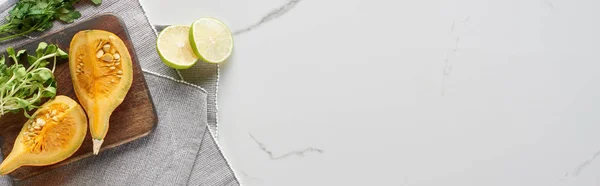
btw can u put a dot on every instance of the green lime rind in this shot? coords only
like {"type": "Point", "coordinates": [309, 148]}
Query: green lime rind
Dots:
{"type": "Point", "coordinates": [171, 63]}
{"type": "Point", "coordinates": [195, 45]}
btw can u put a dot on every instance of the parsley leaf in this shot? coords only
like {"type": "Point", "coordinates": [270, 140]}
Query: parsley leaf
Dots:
{"type": "Point", "coordinates": [38, 15]}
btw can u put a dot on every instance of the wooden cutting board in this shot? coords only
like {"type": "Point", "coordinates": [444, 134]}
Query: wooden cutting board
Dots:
{"type": "Point", "coordinates": [133, 119]}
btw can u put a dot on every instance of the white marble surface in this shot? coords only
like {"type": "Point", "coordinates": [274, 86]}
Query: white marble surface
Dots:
{"type": "Point", "coordinates": [436, 92]}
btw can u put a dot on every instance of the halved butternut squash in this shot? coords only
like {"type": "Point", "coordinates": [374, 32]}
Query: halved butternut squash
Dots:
{"type": "Point", "coordinates": [101, 70]}
{"type": "Point", "coordinates": [54, 133]}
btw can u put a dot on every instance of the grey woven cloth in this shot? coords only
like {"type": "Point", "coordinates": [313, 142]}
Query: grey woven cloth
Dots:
{"type": "Point", "coordinates": [181, 150]}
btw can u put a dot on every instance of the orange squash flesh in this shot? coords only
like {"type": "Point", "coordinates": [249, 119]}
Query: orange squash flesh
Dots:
{"type": "Point", "coordinates": [101, 71]}
{"type": "Point", "coordinates": [53, 134]}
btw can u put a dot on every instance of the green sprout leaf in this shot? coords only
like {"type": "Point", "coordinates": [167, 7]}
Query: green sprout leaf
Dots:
{"type": "Point", "coordinates": [19, 72]}
{"type": "Point", "coordinates": [10, 51]}
{"type": "Point", "coordinates": [20, 52]}
{"type": "Point", "coordinates": [24, 88]}
{"type": "Point", "coordinates": [97, 2]}
{"type": "Point", "coordinates": [22, 102]}
{"type": "Point", "coordinates": [40, 49]}
{"type": "Point", "coordinates": [43, 75]}
{"type": "Point", "coordinates": [31, 59]}
{"type": "Point", "coordinates": [62, 54]}
{"type": "Point", "coordinates": [49, 92]}
{"type": "Point", "coordinates": [51, 49]}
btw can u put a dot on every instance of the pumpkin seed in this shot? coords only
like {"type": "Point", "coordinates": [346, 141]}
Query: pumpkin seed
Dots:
{"type": "Point", "coordinates": [100, 44]}
{"type": "Point", "coordinates": [117, 56]}
{"type": "Point", "coordinates": [99, 53]}
{"type": "Point", "coordinates": [39, 121]}
{"type": "Point", "coordinates": [107, 57]}
{"type": "Point", "coordinates": [106, 48]}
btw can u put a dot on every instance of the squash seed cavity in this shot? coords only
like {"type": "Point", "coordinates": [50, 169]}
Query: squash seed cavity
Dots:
{"type": "Point", "coordinates": [108, 67]}
{"type": "Point", "coordinates": [49, 129]}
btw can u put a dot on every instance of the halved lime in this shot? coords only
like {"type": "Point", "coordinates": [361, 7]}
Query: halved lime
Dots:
{"type": "Point", "coordinates": [211, 40]}
{"type": "Point", "coordinates": [174, 49]}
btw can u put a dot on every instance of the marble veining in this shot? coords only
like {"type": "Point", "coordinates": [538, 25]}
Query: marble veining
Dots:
{"type": "Point", "coordinates": [250, 177]}
{"type": "Point", "coordinates": [300, 153]}
{"type": "Point", "coordinates": [447, 65]}
{"type": "Point", "coordinates": [270, 16]}
{"type": "Point", "coordinates": [585, 163]}
{"type": "Point", "coordinates": [570, 175]}
{"type": "Point", "coordinates": [549, 3]}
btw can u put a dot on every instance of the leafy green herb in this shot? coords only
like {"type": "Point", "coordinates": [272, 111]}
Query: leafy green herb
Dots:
{"type": "Point", "coordinates": [37, 15]}
{"type": "Point", "coordinates": [23, 88]}
{"type": "Point", "coordinates": [97, 2]}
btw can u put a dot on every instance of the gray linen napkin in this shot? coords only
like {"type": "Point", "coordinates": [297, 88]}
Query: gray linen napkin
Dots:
{"type": "Point", "coordinates": [181, 150]}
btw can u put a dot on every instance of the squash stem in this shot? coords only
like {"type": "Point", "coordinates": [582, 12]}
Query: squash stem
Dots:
{"type": "Point", "coordinates": [97, 145]}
